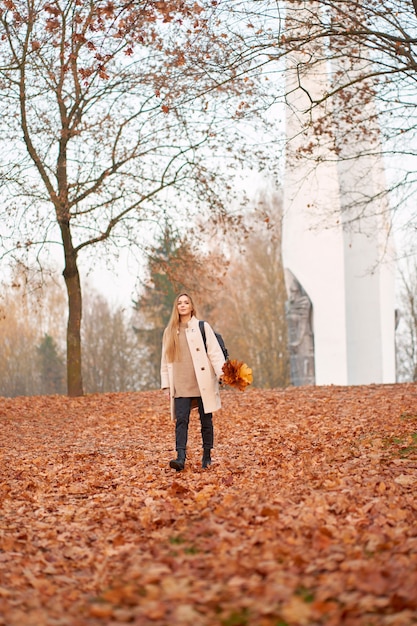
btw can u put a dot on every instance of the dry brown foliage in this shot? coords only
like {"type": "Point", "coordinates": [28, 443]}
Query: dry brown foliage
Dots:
{"type": "Point", "coordinates": [306, 517]}
{"type": "Point", "coordinates": [237, 374]}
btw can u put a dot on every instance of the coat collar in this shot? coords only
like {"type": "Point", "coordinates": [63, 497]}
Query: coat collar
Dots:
{"type": "Point", "coordinates": [193, 323]}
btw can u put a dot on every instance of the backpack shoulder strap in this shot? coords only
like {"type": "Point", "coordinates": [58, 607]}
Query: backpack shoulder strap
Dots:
{"type": "Point", "coordinates": [203, 332]}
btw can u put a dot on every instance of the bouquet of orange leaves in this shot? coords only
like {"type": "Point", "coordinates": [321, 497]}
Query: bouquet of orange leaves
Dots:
{"type": "Point", "coordinates": [237, 374]}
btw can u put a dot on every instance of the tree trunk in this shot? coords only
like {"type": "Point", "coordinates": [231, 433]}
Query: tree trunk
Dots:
{"type": "Point", "coordinates": [73, 284]}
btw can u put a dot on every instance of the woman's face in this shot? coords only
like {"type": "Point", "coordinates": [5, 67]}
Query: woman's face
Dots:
{"type": "Point", "coordinates": [184, 306]}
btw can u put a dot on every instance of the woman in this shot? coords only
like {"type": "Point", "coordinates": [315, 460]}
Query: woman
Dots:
{"type": "Point", "coordinates": [192, 376]}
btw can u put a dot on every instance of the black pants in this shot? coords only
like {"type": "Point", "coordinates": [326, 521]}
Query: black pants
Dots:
{"type": "Point", "coordinates": [182, 417]}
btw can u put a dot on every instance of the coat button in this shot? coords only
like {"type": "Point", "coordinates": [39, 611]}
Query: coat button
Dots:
{"type": "Point", "coordinates": [203, 368]}
{"type": "Point", "coordinates": [198, 349]}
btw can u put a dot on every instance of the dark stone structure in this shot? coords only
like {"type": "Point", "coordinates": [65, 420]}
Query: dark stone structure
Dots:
{"type": "Point", "coordinates": [299, 312]}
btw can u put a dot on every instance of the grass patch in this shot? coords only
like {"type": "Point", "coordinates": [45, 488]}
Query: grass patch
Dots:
{"type": "Point", "coordinates": [179, 540]}
{"type": "Point", "coordinates": [403, 446]}
{"type": "Point", "coordinates": [305, 594]}
{"type": "Point", "coordinates": [237, 618]}
{"type": "Point", "coordinates": [408, 416]}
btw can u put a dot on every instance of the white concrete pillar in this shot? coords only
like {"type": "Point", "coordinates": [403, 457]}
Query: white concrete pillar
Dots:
{"type": "Point", "coordinates": [336, 246]}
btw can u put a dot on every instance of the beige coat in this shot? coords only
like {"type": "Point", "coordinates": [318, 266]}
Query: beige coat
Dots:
{"type": "Point", "coordinates": [207, 366]}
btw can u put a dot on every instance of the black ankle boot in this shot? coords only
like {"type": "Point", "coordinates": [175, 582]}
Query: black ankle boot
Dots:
{"type": "Point", "coordinates": [178, 463]}
{"type": "Point", "coordinates": [206, 460]}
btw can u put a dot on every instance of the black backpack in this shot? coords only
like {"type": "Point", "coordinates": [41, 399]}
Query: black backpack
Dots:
{"type": "Point", "coordinates": [218, 337]}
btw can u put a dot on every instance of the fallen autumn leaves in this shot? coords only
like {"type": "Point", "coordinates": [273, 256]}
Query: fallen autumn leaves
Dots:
{"type": "Point", "coordinates": [307, 516]}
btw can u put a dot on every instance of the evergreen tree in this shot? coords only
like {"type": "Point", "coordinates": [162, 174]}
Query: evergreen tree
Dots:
{"type": "Point", "coordinates": [153, 308]}
{"type": "Point", "coordinates": [173, 266]}
{"type": "Point", "coordinates": [51, 367]}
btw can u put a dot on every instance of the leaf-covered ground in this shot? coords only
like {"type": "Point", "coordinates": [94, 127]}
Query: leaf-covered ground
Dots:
{"type": "Point", "coordinates": [308, 515]}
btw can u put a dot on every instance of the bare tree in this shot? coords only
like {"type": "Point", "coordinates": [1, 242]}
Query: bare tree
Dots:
{"type": "Point", "coordinates": [111, 112]}
{"type": "Point", "coordinates": [352, 68]}
{"type": "Point", "coordinates": [111, 352]}
{"type": "Point", "coordinates": [249, 308]}
{"type": "Point", "coordinates": [18, 337]}
{"type": "Point", "coordinates": [26, 317]}
{"type": "Point", "coordinates": [32, 340]}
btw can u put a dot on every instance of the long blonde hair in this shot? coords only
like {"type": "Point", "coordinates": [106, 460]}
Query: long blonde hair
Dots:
{"type": "Point", "coordinates": [171, 333]}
